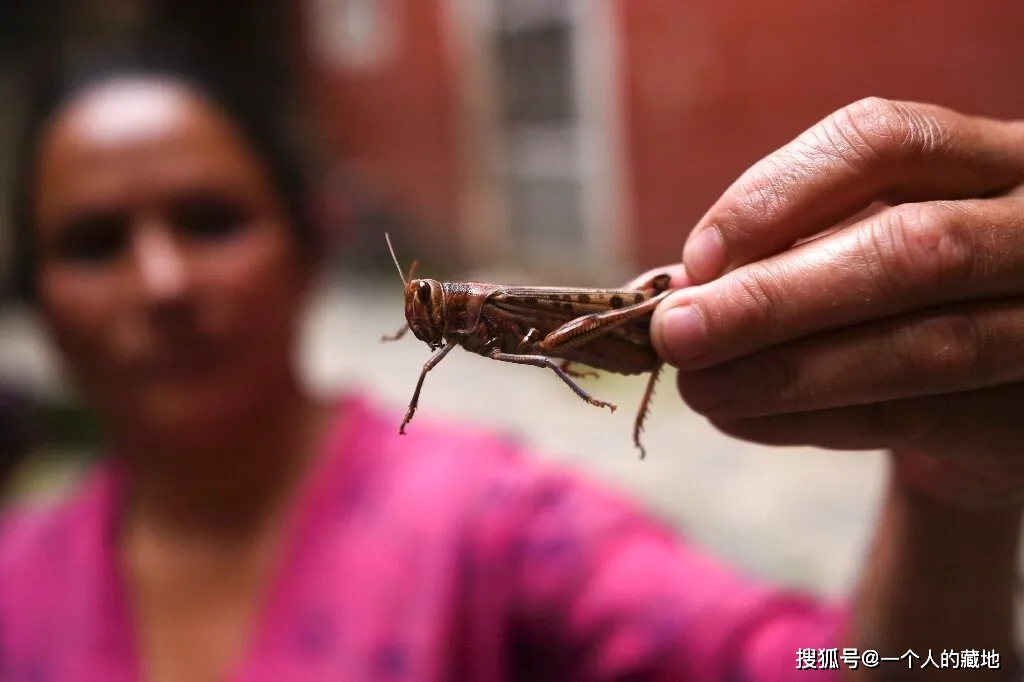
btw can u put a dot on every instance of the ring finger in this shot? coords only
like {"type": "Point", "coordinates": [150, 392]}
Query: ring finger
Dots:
{"type": "Point", "coordinates": [974, 425]}
{"type": "Point", "coordinates": [956, 348]}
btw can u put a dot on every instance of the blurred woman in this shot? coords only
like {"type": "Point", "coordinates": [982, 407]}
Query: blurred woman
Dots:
{"type": "Point", "coordinates": [239, 528]}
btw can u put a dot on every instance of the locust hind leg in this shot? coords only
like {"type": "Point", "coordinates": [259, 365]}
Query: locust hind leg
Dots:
{"type": "Point", "coordinates": [544, 361]}
{"type": "Point", "coordinates": [583, 329]}
{"type": "Point", "coordinates": [645, 404]}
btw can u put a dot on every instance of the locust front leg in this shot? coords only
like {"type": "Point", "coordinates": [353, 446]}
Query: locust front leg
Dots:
{"type": "Point", "coordinates": [437, 357]}
{"type": "Point", "coordinates": [543, 361]}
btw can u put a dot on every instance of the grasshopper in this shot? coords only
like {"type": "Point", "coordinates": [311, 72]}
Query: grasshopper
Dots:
{"type": "Point", "coordinates": [551, 327]}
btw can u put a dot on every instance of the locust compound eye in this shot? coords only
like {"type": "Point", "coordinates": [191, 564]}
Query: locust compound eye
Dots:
{"type": "Point", "coordinates": [423, 293]}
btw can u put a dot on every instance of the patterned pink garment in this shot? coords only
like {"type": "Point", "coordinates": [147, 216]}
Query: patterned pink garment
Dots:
{"type": "Point", "coordinates": [443, 555]}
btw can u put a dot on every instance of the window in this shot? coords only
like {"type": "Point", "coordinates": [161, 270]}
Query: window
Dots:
{"type": "Point", "coordinates": [535, 67]}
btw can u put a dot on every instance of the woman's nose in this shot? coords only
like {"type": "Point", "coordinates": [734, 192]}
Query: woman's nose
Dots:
{"type": "Point", "coordinates": [160, 263]}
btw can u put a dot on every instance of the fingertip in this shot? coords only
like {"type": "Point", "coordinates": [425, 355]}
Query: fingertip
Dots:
{"type": "Point", "coordinates": [681, 279]}
{"type": "Point", "coordinates": [677, 330]}
{"type": "Point", "coordinates": [704, 254]}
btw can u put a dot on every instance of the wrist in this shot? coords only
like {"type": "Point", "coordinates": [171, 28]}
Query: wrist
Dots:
{"type": "Point", "coordinates": [960, 538]}
{"type": "Point", "coordinates": [970, 486]}
{"type": "Point", "coordinates": [939, 576]}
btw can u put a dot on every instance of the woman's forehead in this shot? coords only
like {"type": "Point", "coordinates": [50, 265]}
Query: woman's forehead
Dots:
{"type": "Point", "coordinates": [127, 110]}
{"type": "Point", "coordinates": [138, 132]}
{"type": "Point", "coordinates": [127, 113]}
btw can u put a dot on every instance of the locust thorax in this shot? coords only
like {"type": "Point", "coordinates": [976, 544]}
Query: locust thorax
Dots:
{"type": "Point", "coordinates": [425, 311]}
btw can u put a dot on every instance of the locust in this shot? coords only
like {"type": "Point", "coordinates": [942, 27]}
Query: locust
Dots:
{"type": "Point", "coordinates": [549, 327]}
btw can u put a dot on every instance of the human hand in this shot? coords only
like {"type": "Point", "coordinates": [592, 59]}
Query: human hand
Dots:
{"type": "Point", "coordinates": [902, 329]}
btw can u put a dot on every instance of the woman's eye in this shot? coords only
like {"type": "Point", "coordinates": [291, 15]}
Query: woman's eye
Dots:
{"type": "Point", "coordinates": [93, 238]}
{"type": "Point", "coordinates": [208, 217]}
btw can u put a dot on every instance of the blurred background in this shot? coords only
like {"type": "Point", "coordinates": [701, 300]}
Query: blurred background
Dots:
{"type": "Point", "coordinates": [536, 141]}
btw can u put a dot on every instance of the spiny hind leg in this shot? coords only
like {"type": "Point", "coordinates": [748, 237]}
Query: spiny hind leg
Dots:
{"type": "Point", "coordinates": [583, 329]}
{"type": "Point", "coordinates": [645, 404]}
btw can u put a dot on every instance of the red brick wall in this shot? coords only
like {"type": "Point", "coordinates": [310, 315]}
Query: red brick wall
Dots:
{"type": "Point", "coordinates": [397, 123]}
{"type": "Point", "coordinates": [712, 85]}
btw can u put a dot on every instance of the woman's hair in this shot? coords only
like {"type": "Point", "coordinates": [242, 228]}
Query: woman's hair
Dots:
{"type": "Point", "coordinates": [234, 91]}
{"type": "Point", "coordinates": [18, 429]}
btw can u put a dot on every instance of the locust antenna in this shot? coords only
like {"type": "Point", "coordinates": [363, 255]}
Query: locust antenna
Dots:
{"type": "Point", "coordinates": [395, 258]}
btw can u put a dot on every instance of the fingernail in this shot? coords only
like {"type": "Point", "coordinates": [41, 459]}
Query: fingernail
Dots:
{"type": "Point", "coordinates": [704, 255]}
{"type": "Point", "coordinates": [683, 334]}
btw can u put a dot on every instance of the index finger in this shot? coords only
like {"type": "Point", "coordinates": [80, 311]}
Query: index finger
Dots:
{"type": "Point", "coordinates": [874, 150]}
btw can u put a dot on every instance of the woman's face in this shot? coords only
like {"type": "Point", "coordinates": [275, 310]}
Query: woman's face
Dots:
{"type": "Point", "coordinates": [167, 269]}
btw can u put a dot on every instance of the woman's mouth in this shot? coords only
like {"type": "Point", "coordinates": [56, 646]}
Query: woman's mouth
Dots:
{"type": "Point", "coordinates": [182, 363]}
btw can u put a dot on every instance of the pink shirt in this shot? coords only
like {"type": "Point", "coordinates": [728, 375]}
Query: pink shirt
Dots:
{"type": "Point", "coordinates": [443, 555]}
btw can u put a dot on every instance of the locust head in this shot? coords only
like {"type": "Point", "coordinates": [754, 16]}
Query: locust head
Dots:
{"type": "Point", "coordinates": [424, 304]}
{"type": "Point", "coordinates": [424, 309]}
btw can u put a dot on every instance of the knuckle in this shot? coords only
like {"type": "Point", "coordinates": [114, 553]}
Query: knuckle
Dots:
{"type": "Point", "coordinates": [918, 246]}
{"type": "Point", "coordinates": [765, 383]}
{"type": "Point", "coordinates": [910, 423]}
{"type": "Point", "coordinates": [780, 379]}
{"type": "Point", "coordinates": [761, 192]}
{"type": "Point", "coordinates": [950, 348]}
{"type": "Point", "coordinates": [755, 293]}
{"type": "Point", "coordinates": [878, 127]}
